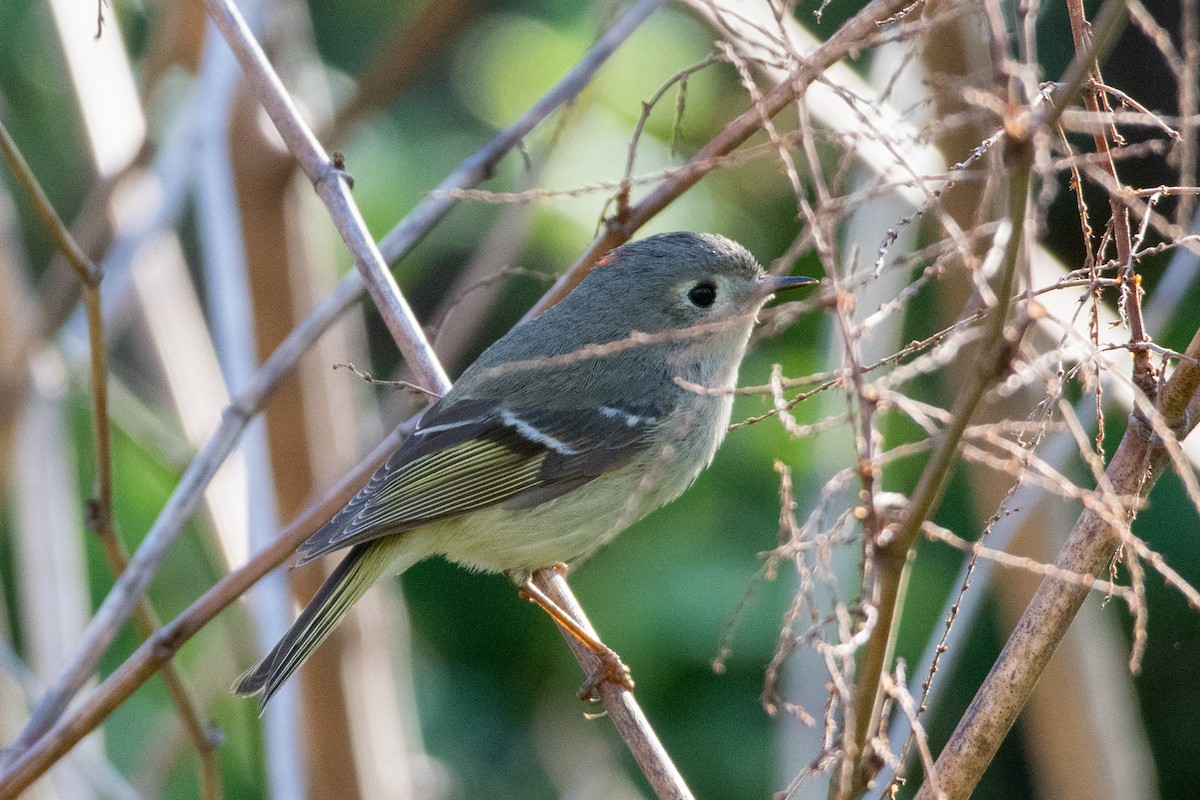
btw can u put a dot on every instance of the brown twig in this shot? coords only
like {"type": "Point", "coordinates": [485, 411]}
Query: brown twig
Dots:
{"type": "Point", "coordinates": [681, 77]}
{"type": "Point", "coordinates": [897, 688]}
{"type": "Point", "coordinates": [404, 236]}
{"type": "Point", "coordinates": [619, 702]}
{"type": "Point", "coordinates": [976, 549]}
{"type": "Point", "coordinates": [993, 360]}
{"type": "Point", "coordinates": [891, 553]}
{"type": "Point", "coordinates": [1093, 96]}
{"type": "Point", "coordinates": [100, 509]}
{"type": "Point", "coordinates": [1089, 549]}
{"type": "Point", "coordinates": [131, 585]}
{"type": "Point", "coordinates": [844, 41]}
{"type": "Point", "coordinates": [166, 641]}
{"type": "Point", "coordinates": [870, 476]}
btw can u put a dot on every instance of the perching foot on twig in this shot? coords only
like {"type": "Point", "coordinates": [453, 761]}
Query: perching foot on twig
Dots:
{"type": "Point", "coordinates": [609, 667]}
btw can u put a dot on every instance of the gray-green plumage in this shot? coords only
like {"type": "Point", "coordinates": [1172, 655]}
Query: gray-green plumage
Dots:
{"type": "Point", "coordinates": [561, 434]}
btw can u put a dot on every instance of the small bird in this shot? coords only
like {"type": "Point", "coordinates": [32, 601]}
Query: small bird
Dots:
{"type": "Point", "coordinates": [563, 433]}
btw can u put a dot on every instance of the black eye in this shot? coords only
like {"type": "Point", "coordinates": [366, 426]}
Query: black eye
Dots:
{"type": "Point", "coordinates": [703, 294]}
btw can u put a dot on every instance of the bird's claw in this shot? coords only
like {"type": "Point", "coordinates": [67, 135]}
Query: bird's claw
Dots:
{"type": "Point", "coordinates": [609, 668]}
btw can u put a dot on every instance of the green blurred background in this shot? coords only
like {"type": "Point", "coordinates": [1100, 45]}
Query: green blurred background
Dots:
{"type": "Point", "coordinates": [494, 685]}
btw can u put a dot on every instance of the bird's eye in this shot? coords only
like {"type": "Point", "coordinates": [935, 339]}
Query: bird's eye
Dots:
{"type": "Point", "coordinates": [703, 294]}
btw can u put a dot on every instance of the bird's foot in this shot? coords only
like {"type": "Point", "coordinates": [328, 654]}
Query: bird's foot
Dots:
{"type": "Point", "coordinates": [609, 669]}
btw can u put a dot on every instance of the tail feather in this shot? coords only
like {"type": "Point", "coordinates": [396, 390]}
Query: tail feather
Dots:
{"type": "Point", "coordinates": [345, 585]}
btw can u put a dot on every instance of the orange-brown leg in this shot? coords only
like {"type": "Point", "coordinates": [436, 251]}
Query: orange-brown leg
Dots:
{"type": "Point", "coordinates": [609, 666]}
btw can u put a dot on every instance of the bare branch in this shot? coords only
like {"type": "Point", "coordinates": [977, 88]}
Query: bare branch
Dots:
{"type": "Point", "coordinates": [183, 501]}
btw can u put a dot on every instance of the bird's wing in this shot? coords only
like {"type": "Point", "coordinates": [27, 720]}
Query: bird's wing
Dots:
{"type": "Point", "coordinates": [478, 453]}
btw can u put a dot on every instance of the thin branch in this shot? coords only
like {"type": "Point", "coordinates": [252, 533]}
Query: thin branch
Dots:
{"type": "Point", "coordinates": [132, 584]}
{"type": "Point", "coordinates": [897, 689]}
{"type": "Point", "coordinates": [997, 353]}
{"type": "Point", "coordinates": [994, 359]}
{"type": "Point", "coordinates": [1093, 96]}
{"type": "Point", "coordinates": [66, 732]}
{"type": "Point", "coordinates": [120, 601]}
{"type": "Point", "coordinates": [100, 510]}
{"type": "Point", "coordinates": [680, 78]}
{"type": "Point", "coordinates": [334, 191]}
{"type": "Point", "coordinates": [626, 715]}
{"type": "Point", "coordinates": [1094, 539]}
{"type": "Point", "coordinates": [976, 550]}
{"type": "Point", "coordinates": [88, 272]}
{"type": "Point", "coordinates": [842, 43]}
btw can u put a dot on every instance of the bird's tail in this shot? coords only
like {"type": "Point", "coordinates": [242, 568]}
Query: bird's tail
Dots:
{"type": "Point", "coordinates": [359, 569]}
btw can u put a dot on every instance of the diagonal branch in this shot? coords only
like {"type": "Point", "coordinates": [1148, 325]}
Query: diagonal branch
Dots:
{"type": "Point", "coordinates": [845, 41]}
{"type": "Point", "coordinates": [1011, 240]}
{"type": "Point", "coordinates": [100, 509]}
{"type": "Point", "coordinates": [66, 732]}
{"type": "Point", "coordinates": [1090, 547]}
{"type": "Point", "coordinates": [124, 595]}
{"type": "Point", "coordinates": [403, 237]}
{"type": "Point", "coordinates": [334, 191]}
{"type": "Point", "coordinates": [1093, 96]}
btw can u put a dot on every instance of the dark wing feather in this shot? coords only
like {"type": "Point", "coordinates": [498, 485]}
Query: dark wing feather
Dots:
{"type": "Point", "coordinates": [476, 454]}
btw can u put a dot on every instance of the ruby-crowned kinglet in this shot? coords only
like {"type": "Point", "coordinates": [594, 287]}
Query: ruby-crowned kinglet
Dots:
{"type": "Point", "coordinates": [564, 432]}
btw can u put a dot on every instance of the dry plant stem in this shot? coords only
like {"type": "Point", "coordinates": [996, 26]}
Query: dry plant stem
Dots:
{"type": "Point", "coordinates": [1089, 549]}
{"type": "Point", "coordinates": [99, 517]}
{"type": "Point", "coordinates": [1189, 104]}
{"type": "Point", "coordinates": [870, 476]}
{"type": "Point", "coordinates": [479, 167]}
{"type": "Point", "coordinates": [57, 230]}
{"type": "Point", "coordinates": [334, 192]}
{"type": "Point", "coordinates": [628, 718]}
{"type": "Point", "coordinates": [166, 641]}
{"type": "Point", "coordinates": [203, 735]}
{"type": "Point", "coordinates": [843, 42]}
{"type": "Point", "coordinates": [131, 585]}
{"type": "Point", "coordinates": [680, 78]}
{"type": "Point", "coordinates": [1143, 370]}
{"type": "Point", "coordinates": [891, 554]}
{"type": "Point", "coordinates": [402, 324]}
{"type": "Point", "coordinates": [119, 603]}
{"type": "Point", "coordinates": [1021, 128]}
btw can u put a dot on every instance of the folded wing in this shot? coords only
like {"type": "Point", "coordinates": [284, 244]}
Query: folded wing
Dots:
{"type": "Point", "coordinates": [475, 454]}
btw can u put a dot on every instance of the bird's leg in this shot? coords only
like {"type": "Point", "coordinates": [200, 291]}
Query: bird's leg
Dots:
{"type": "Point", "coordinates": [609, 666]}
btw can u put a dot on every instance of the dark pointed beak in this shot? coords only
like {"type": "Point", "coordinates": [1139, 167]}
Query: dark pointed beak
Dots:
{"type": "Point", "coordinates": [780, 283]}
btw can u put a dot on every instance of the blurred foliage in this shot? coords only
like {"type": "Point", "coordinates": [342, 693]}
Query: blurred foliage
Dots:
{"type": "Point", "coordinates": [488, 665]}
